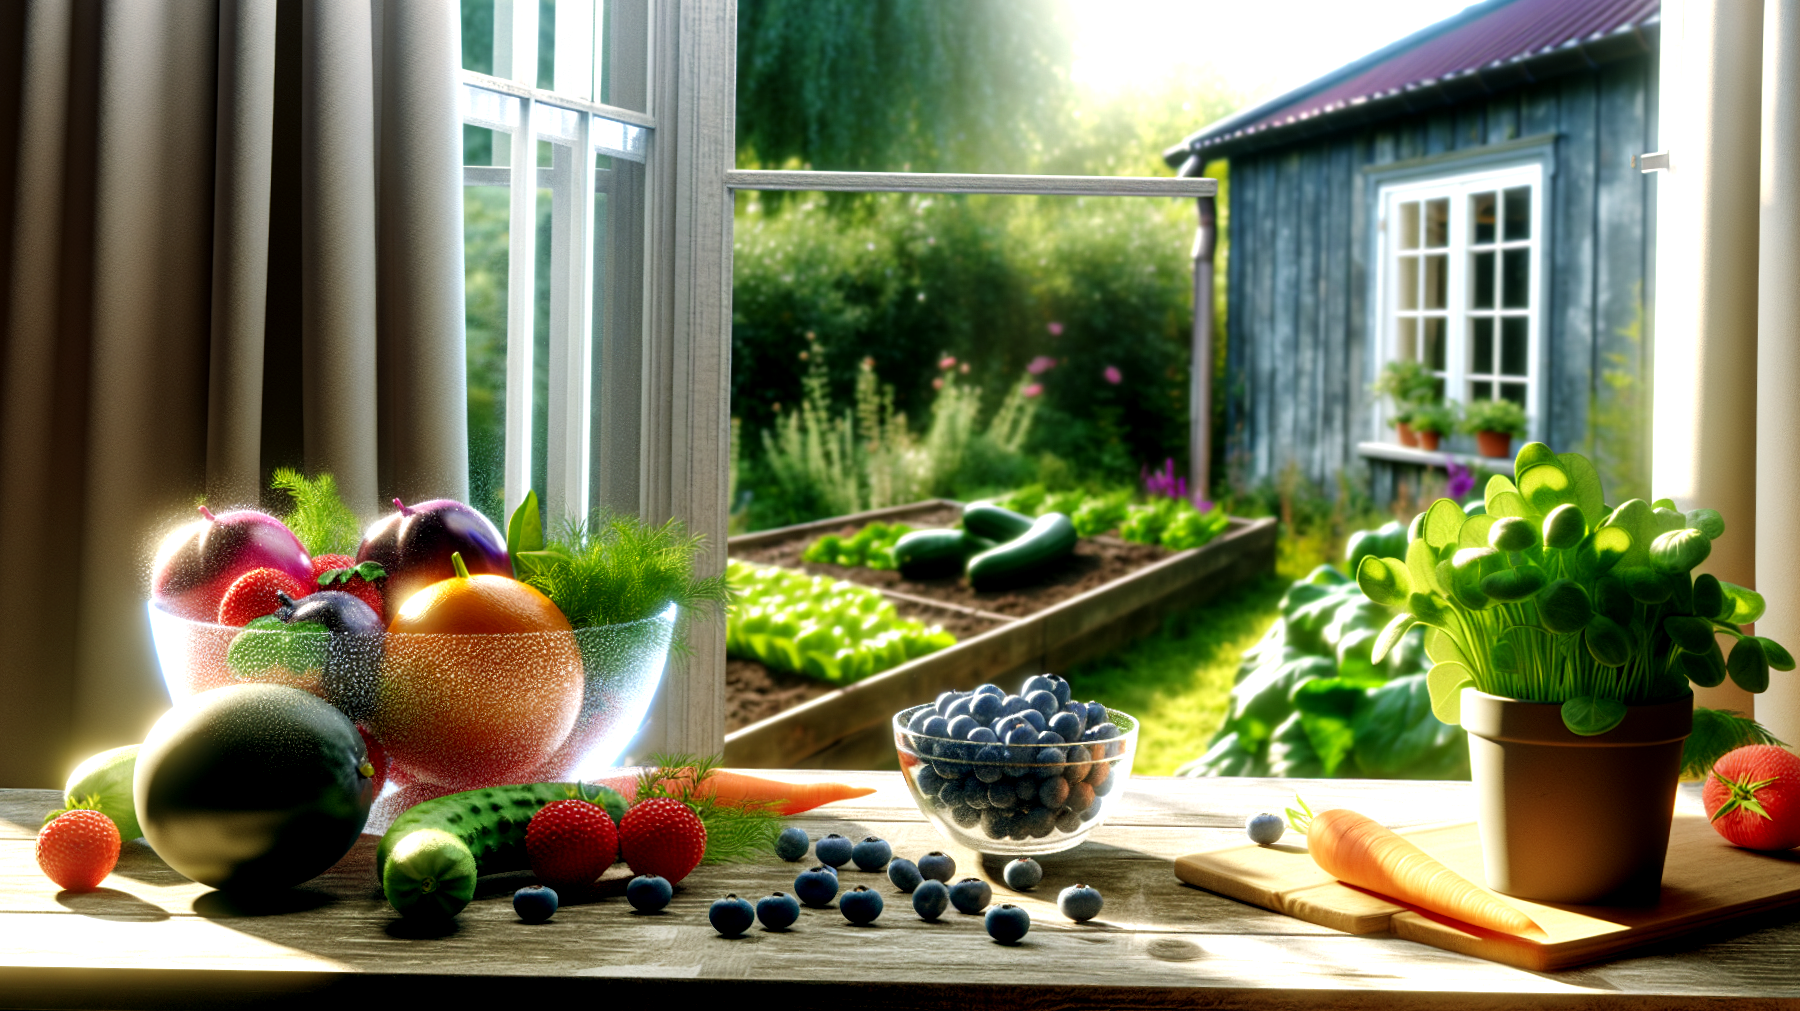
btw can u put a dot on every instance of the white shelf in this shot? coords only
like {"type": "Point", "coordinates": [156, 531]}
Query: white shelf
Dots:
{"type": "Point", "coordinates": [1396, 453]}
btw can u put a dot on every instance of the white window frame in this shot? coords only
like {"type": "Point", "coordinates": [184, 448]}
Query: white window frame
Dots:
{"type": "Point", "coordinates": [1458, 188]}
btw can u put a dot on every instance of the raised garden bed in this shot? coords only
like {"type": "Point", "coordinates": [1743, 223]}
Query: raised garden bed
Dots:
{"type": "Point", "coordinates": [1110, 593]}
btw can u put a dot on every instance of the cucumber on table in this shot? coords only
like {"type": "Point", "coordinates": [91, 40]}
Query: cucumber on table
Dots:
{"type": "Point", "coordinates": [1051, 538]}
{"type": "Point", "coordinates": [430, 857]}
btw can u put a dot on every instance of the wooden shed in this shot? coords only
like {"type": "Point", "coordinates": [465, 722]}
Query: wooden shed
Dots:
{"type": "Point", "coordinates": [1468, 197]}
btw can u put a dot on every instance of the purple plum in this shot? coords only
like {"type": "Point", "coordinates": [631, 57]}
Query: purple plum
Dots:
{"type": "Point", "coordinates": [352, 654]}
{"type": "Point", "coordinates": [414, 545]}
{"type": "Point", "coordinates": [198, 561]}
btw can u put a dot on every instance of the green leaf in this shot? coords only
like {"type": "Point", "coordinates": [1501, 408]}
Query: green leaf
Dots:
{"type": "Point", "coordinates": [1709, 598]}
{"type": "Point", "coordinates": [1707, 521]}
{"type": "Point", "coordinates": [1590, 715]}
{"type": "Point", "coordinates": [1442, 647]}
{"type": "Point", "coordinates": [1545, 487]}
{"type": "Point", "coordinates": [525, 530]}
{"type": "Point", "coordinates": [1384, 580]}
{"type": "Point", "coordinates": [1777, 654]}
{"type": "Point", "coordinates": [1679, 550]}
{"type": "Point", "coordinates": [1429, 608]}
{"type": "Point", "coordinates": [1421, 565]}
{"type": "Point", "coordinates": [1584, 486]}
{"type": "Point", "coordinates": [1509, 586]}
{"type": "Point", "coordinates": [1746, 604]}
{"type": "Point", "coordinates": [1291, 751]}
{"type": "Point", "coordinates": [1564, 607]}
{"type": "Point", "coordinates": [1512, 534]}
{"type": "Point", "coordinates": [1611, 545]}
{"type": "Point", "coordinates": [1564, 527]}
{"type": "Point", "coordinates": [1510, 503]}
{"type": "Point", "coordinates": [1532, 454]}
{"type": "Point", "coordinates": [1692, 634]}
{"type": "Point", "coordinates": [1705, 669]}
{"type": "Point", "coordinates": [1443, 521]}
{"type": "Point", "coordinates": [1474, 533]}
{"type": "Point", "coordinates": [1664, 503]}
{"type": "Point", "coordinates": [1748, 666]}
{"type": "Point", "coordinates": [1634, 518]}
{"type": "Point", "coordinates": [1644, 583]}
{"type": "Point", "coordinates": [1391, 635]}
{"type": "Point", "coordinates": [1446, 682]}
{"type": "Point", "coordinates": [1397, 737]}
{"type": "Point", "coordinates": [1606, 642]}
{"type": "Point", "coordinates": [1716, 733]}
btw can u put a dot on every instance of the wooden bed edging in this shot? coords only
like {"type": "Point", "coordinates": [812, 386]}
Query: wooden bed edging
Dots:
{"type": "Point", "coordinates": [848, 728]}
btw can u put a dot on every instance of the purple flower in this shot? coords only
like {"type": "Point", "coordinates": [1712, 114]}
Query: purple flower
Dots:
{"type": "Point", "coordinates": [1462, 481]}
{"type": "Point", "coordinates": [1055, 329]}
{"type": "Point", "coordinates": [1033, 390]}
{"type": "Point", "coordinates": [1163, 483]}
{"type": "Point", "coordinates": [1040, 365]}
{"type": "Point", "coordinates": [1113, 375]}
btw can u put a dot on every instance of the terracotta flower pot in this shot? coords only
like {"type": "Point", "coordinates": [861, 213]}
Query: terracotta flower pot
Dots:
{"type": "Point", "coordinates": [1566, 818]}
{"type": "Point", "coordinates": [1408, 437]}
{"type": "Point", "coordinates": [1494, 444]}
{"type": "Point", "coordinates": [1429, 440]}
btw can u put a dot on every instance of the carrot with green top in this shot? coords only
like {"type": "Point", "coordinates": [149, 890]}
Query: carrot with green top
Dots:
{"type": "Point", "coordinates": [1358, 851]}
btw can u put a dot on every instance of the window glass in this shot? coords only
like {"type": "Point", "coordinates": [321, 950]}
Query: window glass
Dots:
{"type": "Point", "coordinates": [1437, 223]}
{"type": "Point", "coordinates": [1481, 213]}
{"type": "Point", "coordinates": [1409, 226]}
{"type": "Point", "coordinates": [1518, 213]}
{"type": "Point", "coordinates": [485, 213]}
{"type": "Point", "coordinates": [1513, 353]}
{"type": "Point", "coordinates": [1481, 358]}
{"type": "Point", "coordinates": [1515, 284]}
{"type": "Point", "coordinates": [1437, 282]}
{"type": "Point", "coordinates": [1482, 277]}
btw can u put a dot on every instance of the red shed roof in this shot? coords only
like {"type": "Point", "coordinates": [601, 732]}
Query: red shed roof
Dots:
{"type": "Point", "coordinates": [1487, 46]}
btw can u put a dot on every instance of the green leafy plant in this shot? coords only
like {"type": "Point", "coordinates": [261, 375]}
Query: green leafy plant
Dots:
{"type": "Point", "coordinates": [324, 524]}
{"type": "Point", "coordinates": [1549, 595]}
{"type": "Point", "coordinates": [828, 629]}
{"type": "Point", "coordinates": [872, 546]}
{"type": "Point", "coordinates": [1494, 416]}
{"type": "Point", "coordinates": [1438, 418]}
{"type": "Point", "coordinates": [1407, 385]}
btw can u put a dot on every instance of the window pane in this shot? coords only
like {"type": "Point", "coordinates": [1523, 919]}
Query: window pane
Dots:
{"type": "Point", "coordinates": [1481, 344]}
{"type": "Point", "coordinates": [1437, 281]}
{"type": "Point", "coordinates": [485, 215]}
{"type": "Point", "coordinates": [1512, 345]}
{"type": "Point", "coordinates": [1514, 392]}
{"type": "Point", "coordinates": [1481, 391]}
{"type": "Point", "coordinates": [1408, 266]}
{"type": "Point", "coordinates": [1409, 226]}
{"type": "Point", "coordinates": [1481, 213]}
{"type": "Point", "coordinates": [1515, 287]}
{"type": "Point", "coordinates": [1437, 223]}
{"type": "Point", "coordinates": [544, 274]}
{"type": "Point", "coordinates": [1518, 213]}
{"type": "Point", "coordinates": [1434, 342]}
{"type": "Point", "coordinates": [1408, 339]}
{"type": "Point", "coordinates": [1481, 290]}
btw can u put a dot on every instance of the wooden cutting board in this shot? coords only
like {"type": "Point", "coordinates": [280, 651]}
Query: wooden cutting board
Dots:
{"type": "Point", "coordinates": [1706, 883]}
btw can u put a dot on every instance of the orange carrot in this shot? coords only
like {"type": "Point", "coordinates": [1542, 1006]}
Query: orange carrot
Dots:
{"type": "Point", "coordinates": [735, 788]}
{"type": "Point", "coordinates": [1360, 852]}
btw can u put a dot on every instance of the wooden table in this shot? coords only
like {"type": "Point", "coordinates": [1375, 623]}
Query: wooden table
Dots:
{"type": "Point", "coordinates": [154, 939]}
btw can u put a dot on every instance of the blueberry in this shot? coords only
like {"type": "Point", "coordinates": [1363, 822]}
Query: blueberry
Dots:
{"type": "Point", "coordinates": [731, 916]}
{"type": "Point", "coordinates": [860, 905]}
{"type": "Point", "coordinates": [1003, 794]}
{"type": "Point", "coordinates": [1023, 873]}
{"type": "Point", "coordinates": [1067, 820]}
{"type": "Point", "coordinates": [833, 850]}
{"type": "Point", "coordinates": [1061, 690]}
{"type": "Point", "coordinates": [930, 899]}
{"type": "Point", "coordinates": [986, 708]}
{"type": "Point", "coordinates": [990, 763]}
{"type": "Point", "coordinates": [944, 701]}
{"type": "Point", "coordinates": [965, 816]}
{"type": "Point", "coordinates": [1013, 705]}
{"type": "Point", "coordinates": [1053, 793]}
{"type": "Point", "coordinates": [1025, 789]}
{"type": "Point", "coordinates": [778, 911]}
{"type": "Point", "coordinates": [816, 887]}
{"type": "Point", "coordinates": [950, 767]}
{"type": "Point", "coordinates": [1096, 714]}
{"type": "Point", "coordinates": [1067, 726]}
{"type": "Point", "coordinates": [1079, 902]}
{"type": "Point", "coordinates": [648, 893]}
{"type": "Point", "coordinates": [1052, 739]}
{"type": "Point", "coordinates": [792, 843]}
{"type": "Point", "coordinates": [1021, 734]}
{"type": "Point", "coordinates": [1007, 923]}
{"type": "Point", "coordinates": [1035, 720]}
{"type": "Point", "coordinates": [996, 823]}
{"type": "Point", "coordinates": [991, 689]}
{"type": "Point", "coordinates": [983, 735]}
{"type": "Point", "coordinates": [905, 874]}
{"type": "Point", "coordinates": [1035, 683]}
{"type": "Point", "coordinates": [1265, 829]}
{"type": "Point", "coordinates": [936, 727]}
{"type": "Point", "coordinates": [971, 895]}
{"type": "Point", "coordinates": [1044, 702]}
{"type": "Point", "coordinates": [938, 866]}
{"type": "Point", "coordinates": [959, 708]}
{"type": "Point", "coordinates": [975, 795]}
{"type": "Point", "coordinates": [1078, 768]}
{"type": "Point", "coordinates": [1038, 822]}
{"type": "Point", "coordinates": [871, 854]}
{"type": "Point", "coordinates": [960, 726]}
{"type": "Point", "coordinates": [535, 903]}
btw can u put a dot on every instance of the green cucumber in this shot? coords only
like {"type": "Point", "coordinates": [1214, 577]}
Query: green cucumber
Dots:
{"type": "Point", "coordinates": [105, 781]}
{"type": "Point", "coordinates": [985, 519]}
{"type": "Point", "coordinates": [430, 857]}
{"type": "Point", "coordinates": [923, 554]}
{"type": "Point", "coordinates": [1050, 539]}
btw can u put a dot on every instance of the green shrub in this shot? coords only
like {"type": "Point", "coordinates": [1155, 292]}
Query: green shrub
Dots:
{"type": "Point", "coordinates": [1494, 416]}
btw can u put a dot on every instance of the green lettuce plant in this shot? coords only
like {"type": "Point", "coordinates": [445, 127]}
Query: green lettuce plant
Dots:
{"type": "Point", "coordinates": [1543, 593]}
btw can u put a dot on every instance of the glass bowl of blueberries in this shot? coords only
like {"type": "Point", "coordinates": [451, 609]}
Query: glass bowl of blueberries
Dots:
{"type": "Point", "coordinates": [1015, 775]}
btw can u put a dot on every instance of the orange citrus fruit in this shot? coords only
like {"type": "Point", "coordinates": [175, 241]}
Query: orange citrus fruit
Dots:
{"type": "Point", "coordinates": [481, 681]}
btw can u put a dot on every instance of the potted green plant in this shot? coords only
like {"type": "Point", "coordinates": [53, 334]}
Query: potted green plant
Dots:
{"type": "Point", "coordinates": [1565, 635]}
{"type": "Point", "coordinates": [1432, 422]}
{"type": "Point", "coordinates": [1494, 424]}
{"type": "Point", "coordinates": [1407, 385]}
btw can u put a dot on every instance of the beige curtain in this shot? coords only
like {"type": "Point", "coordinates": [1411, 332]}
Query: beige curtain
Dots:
{"type": "Point", "coordinates": [230, 239]}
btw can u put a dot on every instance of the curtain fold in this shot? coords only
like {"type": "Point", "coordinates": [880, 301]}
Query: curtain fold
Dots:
{"type": "Point", "coordinates": [138, 317]}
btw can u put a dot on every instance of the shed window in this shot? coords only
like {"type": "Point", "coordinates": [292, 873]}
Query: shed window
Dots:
{"type": "Point", "coordinates": [1458, 288]}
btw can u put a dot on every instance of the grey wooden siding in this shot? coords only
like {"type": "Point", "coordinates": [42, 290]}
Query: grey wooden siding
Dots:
{"type": "Point", "coordinates": [1297, 359]}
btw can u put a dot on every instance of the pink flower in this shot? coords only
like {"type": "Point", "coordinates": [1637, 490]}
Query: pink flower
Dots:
{"type": "Point", "coordinates": [947, 362]}
{"type": "Point", "coordinates": [938, 383]}
{"type": "Point", "coordinates": [1113, 375]}
{"type": "Point", "coordinates": [1055, 329]}
{"type": "Point", "coordinates": [963, 368]}
{"type": "Point", "coordinates": [1033, 390]}
{"type": "Point", "coordinates": [1040, 365]}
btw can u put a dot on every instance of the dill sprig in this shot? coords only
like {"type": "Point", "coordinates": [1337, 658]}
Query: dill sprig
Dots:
{"type": "Point", "coordinates": [1717, 731]}
{"type": "Point", "coordinates": [622, 569]}
{"type": "Point", "coordinates": [735, 833]}
{"type": "Point", "coordinates": [324, 524]}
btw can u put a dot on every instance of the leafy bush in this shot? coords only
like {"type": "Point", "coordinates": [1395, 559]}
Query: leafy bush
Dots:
{"type": "Point", "coordinates": [872, 546]}
{"type": "Point", "coordinates": [1494, 416]}
{"type": "Point", "coordinates": [827, 629]}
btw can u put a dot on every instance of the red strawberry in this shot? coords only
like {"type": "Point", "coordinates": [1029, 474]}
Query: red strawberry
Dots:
{"type": "Point", "coordinates": [664, 837]}
{"type": "Point", "coordinates": [364, 581]}
{"type": "Point", "coordinates": [254, 595]}
{"type": "Point", "coordinates": [1753, 798]}
{"type": "Point", "coordinates": [378, 758]}
{"type": "Point", "coordinates": [571, 843]}
{"type": "Point", "coordinates": [78, 849]}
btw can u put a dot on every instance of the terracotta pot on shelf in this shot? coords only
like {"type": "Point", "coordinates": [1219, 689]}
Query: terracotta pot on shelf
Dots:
{"type": "Point", "coordinates": [1429, 440]}
{"type": "Point", "coordinates": [1566, 818]}
{"type": "Point", "coordinates": [1408, 437]}
{"type": "Point", "coordinates": [1494, 444]}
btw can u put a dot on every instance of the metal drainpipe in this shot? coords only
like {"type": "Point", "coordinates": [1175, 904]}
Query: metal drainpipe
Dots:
{"type": "Point", "coordinates": [1200, 370]}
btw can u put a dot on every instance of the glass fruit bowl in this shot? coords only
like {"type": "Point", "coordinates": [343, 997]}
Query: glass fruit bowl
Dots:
{"type": "Point", "coordinates": [451, 712]}
{"type": "Point", "coordinates": [1013, 799]}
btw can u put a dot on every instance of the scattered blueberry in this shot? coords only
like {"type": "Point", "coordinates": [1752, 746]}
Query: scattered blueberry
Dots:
{"type": "Point", "coordinates": [731, 916]}
{"type": "Point", "coordinates": [860, 905]}
{"type": "Point", "coordinates": [792, 843]}
{"type": "Point", "coordinates": [648, 893]}
{"type": "Point", "coordinates": [816, 887]}
{"type": "Point", "coordinates": [535, 903]}
{"type": "Point", "coordinates": [1023, 873]}
{"type": "Point", "coordinates": [930, 899]}
{"type": "Point", "coordinates": [971, 895]}
{"type": "Point", "coordinates": [1079, 902]}
{"type": "Point", "coordinates": [778, 911]}
{"type": "Point", "coordinates": [871, 854]}
{"type": "Point", "coordinates": [904, 874]}
{"type": "Point", "coordinates": [833, 850]}
{"type": "Point", "coordinates": [1265, 829]}
{"type": "Point", "coordinates": [938, 866]}
{"type": "Point", "coordinates": [1007, 923]}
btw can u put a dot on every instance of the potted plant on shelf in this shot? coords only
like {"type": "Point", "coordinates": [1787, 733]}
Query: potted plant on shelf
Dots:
{"type": "Point", "coordinates": [1565, 634]}
{"type": "Point", "coordinates": [1494, 424]}
{"type": "Point", "coordinates": [1432, 422]}
{"type": "Point", "coordinates": [1407, 385]}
